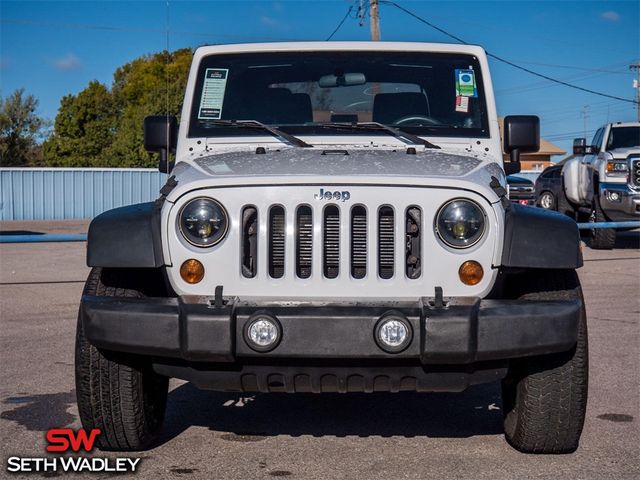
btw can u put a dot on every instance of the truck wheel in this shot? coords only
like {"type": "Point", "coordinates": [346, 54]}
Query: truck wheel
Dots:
{"type": "Point", "coordinates": [564, 206]}
{"type": "Point", "coordinates": [545, 397]}
{"type": "Point", "coordinates": [117, 393]}
{"type": "Point", "coordinates": [600, 238]}
{"type": "Point", "coordinates": [547, 201]}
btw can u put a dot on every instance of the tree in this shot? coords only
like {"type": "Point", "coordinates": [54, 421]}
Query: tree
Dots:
{"type": "Point", "coordinates": [84, 127]}
{"type": "Point", "coordinates": [20, 130]}
{"type": "Point", "coordinates": [104, 127]}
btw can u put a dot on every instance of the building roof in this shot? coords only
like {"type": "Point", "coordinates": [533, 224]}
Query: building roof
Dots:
{"type": "Point", "coordinates": [548, 148]}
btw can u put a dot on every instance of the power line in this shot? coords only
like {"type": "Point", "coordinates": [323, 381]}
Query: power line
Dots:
{"type": "Point", "coordinates": [503, 60]}
{"type": "Point", "coordinates": [574, 67]}
{"type": "Point", "coordinates": [162, 31]}
{"type": "Point", "coordinates": [340, 24]}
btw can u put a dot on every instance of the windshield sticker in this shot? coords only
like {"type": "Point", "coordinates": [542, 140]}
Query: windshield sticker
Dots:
{"type": "Point", "coordinates": [215, 83]}
{"type": "Point", "coordinates": [462, 104]}
{"type": "Point", "coordinates": [466, 83]}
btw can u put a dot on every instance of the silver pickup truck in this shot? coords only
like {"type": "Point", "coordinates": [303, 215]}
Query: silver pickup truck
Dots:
{"type": "Point", "coordinates": [604, 178]}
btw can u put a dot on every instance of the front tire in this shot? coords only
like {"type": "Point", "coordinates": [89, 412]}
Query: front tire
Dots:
{"type": "Point", "coordinates": [601, 238]}
{"type": "Point", "coordinates": [118, 393]}
{"type": "Point", "coordinates": [545, 398]}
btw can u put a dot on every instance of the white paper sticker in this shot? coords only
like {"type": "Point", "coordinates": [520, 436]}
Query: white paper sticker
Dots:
{"type": "Point", "coordinates": [215, 83]}
{"type": "Point", "coordinates": [462, 104]}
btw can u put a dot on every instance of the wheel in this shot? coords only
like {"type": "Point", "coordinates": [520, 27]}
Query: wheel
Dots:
{"type": "Point", "coordinates": [547, 201]}
{"type": "Point", "coordinates": [563, 204]}
{"type": "Point", "coordinates": [117, 393]}
{"type": "Point", "coordinates": [600, 238]}
{"type": "Point", "coordinates": [545, 397]}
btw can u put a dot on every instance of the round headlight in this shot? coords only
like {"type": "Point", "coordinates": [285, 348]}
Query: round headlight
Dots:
{"type": "Point", "coordinates": [460, 223]}
{"type": "Point", "coordinates": [203, 222]}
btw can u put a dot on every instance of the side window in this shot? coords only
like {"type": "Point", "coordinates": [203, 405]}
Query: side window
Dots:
{"type": "Point", "coordinates": [597, 139]}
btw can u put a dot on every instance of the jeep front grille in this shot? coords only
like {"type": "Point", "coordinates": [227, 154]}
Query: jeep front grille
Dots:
{"type": "Point", "coordinates": [386, 239]}
{"type": "Point", "coordinates": [331, 242]}
{"type": "Point", "coordinates": [276, 241]}
{"type": "Point", "coordinates": [358, 242]}
{"type": "Point", "coordinates": [304, 241]}
{"type": "Point", "coordinates": [387, 225]}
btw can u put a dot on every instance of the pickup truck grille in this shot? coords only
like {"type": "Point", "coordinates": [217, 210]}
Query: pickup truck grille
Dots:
{"type": "Point", "coordinates": [635, 172]}
{"type": "Point", "coordinates": [384, 223]}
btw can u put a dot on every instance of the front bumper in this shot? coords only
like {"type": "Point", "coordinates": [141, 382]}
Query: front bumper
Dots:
{"type": "Point", "coordinates": [627, 207]}
{"type": "Point", "coordinates": [329, 346]}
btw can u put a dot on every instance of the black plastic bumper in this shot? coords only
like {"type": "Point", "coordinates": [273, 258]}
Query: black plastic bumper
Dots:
{"type": "Point", "coordinates": [467, 331]}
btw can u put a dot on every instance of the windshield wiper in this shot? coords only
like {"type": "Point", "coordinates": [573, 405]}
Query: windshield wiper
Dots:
{"type": "Point", "coordinates": [276, 132]}
{"type": "Point", "coordinates": [396, 132]}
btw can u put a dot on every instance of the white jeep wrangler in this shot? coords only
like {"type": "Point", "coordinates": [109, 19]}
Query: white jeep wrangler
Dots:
{"type": "Point", "coordinates": [603, 179]}
{"type": "Point", "coordinates": [336, 221]}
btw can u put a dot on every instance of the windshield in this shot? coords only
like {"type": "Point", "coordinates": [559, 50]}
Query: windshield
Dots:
{"type": "Point", "coordinates": [422, 93]}
{"type": "Point", "coordinates": [623, 137]}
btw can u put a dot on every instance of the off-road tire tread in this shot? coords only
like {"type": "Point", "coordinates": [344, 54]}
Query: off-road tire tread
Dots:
{"type": "Point", "coordinates": [602, 238]}
{"type": "Point", "coordinates": [545, 397]}
{"type": "Point", "coordinates": [117, 393]}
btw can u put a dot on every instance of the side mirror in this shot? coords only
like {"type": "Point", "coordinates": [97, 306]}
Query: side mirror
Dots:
{"type": "Point", "coordinates": [579, 146]}
{"type": "Point", "coordinates": [161, 136]}
{"type": "Point", "coordinates": [521, 135]}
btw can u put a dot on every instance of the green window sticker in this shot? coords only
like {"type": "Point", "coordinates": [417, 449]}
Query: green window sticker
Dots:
{"type": "Point", "coordinates": [466, 83]}
{"type": "Point", "coordinates": [212, 99]}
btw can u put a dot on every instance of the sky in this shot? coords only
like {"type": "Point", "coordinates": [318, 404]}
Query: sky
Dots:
{"type": "Point", "coordinates": [55, 48]}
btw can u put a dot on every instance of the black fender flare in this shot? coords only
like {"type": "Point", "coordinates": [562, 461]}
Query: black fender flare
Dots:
{"type": "Point", "coordinates": [538, 238]}
{"type": "Point", "coordinates": [126, 237]}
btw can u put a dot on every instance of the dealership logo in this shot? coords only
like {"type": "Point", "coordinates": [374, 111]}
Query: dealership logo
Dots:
{"type": "Point", "coordinates": [343, 196]}
{"type": "Point", "coordinates": [65, 440]}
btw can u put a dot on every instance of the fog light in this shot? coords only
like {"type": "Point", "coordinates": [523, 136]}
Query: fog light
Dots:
{"type": "Point", "coordinates": [262, 333]}
{"type": "Point", "coordinates": [471, 272]}
{"type": "Point", "coordinates": [393, 333]}
{"type": "Point", "coordinates": [192, 271]}
{"type": "Point", "coordinates": [613, 196]}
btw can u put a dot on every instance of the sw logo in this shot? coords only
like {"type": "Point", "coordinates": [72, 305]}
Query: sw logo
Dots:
{"type": "Point", "coordinates": [63, 439]}
{"type": "Point", "coordinates": [327, 195]}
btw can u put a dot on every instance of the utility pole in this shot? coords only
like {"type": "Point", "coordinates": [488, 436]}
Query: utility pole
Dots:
{"type": "Point", "coordinates": [374, 17]}
{"type": "Point", "coordinates": [585, 116]}
{"type": "Point", "coordinates": [636, 85]}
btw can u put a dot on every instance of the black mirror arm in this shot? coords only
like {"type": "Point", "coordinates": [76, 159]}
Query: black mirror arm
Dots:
{"type": "Point", "coordinates": [513, 166]}
{"type": "Point", "coordinates": [164, 165]}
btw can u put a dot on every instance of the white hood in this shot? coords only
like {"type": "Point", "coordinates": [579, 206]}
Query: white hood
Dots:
{"type": "Point", "coordinates": [316, 162]}
{"type": "Point", "coordinates": [623, 153]}
{"type": "Point", "coordinates": [323, 167]}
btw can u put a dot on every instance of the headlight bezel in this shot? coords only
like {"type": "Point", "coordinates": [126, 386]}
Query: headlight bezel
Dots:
{"type": "Point", "coordinates": [442, 236]}
{"type": "Point", "coordinates": [186, 237]}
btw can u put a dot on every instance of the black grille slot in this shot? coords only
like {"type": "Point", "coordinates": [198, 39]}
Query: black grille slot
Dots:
{"type": "Point", "coordinates": [413, 233]}
{"type": "Point", "coordinates": [635, 172]}
{"type": "Point", "coordinates": [276, 242]}
{"type": "Point", "coordinates": [249, 241]}
{"type": "Point", "coordinates": [331, 241]}
{"type": "Point", "coordinates": [386, 242]}
{"type": "Point", "coordinates": [304, 241]}
{"type": "Point", "coordinates": [358, 242]}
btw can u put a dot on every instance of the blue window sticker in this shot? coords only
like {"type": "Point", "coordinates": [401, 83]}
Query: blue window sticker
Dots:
{"type": "Point", "coordinates": [466, 83]}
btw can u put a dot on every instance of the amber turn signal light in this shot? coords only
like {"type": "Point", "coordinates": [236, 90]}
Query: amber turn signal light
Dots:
{"type": "Point", "coordinates": [192, 271]}
{"type": "Point", "coordinates": [470, 272]}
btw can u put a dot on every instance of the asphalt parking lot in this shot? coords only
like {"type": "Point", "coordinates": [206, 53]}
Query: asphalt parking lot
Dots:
{"type": "Point", "coordinates": [220, 435]}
